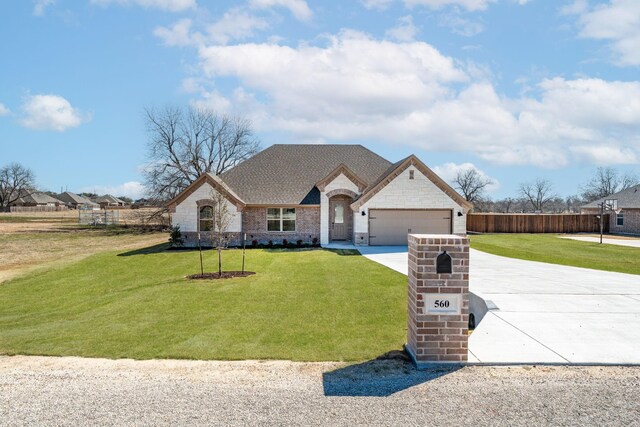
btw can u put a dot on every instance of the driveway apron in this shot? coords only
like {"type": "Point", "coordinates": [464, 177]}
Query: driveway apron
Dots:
{"type": "Point", "coordinates": [545, 313]}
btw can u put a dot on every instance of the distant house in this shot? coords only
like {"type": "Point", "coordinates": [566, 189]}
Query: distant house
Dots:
{"type": "Point", "coordinates": [624, 209]}
{"type": "Point", "coordinates": [323, 193]}
{"type": "Point", "coordinates": [75, 201]}
{"type": "Point", "coordinates": [37, 199]}
{"type": "Point", "coordinates": [109, 201]}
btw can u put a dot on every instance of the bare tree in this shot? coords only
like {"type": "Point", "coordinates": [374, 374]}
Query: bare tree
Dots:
{"type": "Point", "coordinates": [222, 217]}
{"type": "Point", "coordinates": [537, 193]}
{"type": "Point", "coordinates": [606, 181]}
{"type": "Point", "coordinates": [184, 145]}
{"type": "Point", "coordinates": [472, 184]}
{"type": "Point", "coordinates": [15, 181]}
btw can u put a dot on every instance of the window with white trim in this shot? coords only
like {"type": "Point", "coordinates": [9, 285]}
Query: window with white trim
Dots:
{"type": "Point", "coordinates": [281, 219]}
{"type": "Point", "coordinates": [620, 219]}
{"type": "Point", "coordinates": [611, 204]}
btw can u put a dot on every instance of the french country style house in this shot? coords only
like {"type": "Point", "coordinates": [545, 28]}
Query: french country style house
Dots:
{"type": "Point", "coordinates": [322, 193]}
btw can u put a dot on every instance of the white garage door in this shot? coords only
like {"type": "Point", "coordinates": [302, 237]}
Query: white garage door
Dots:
{"type": "Point", "coordinates": [391, 226]}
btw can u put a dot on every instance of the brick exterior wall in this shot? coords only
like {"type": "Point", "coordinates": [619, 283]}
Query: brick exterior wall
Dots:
{"type": "Point", "coordinates": [254, 223]}
{"type": "Point", "coordinates": [437, 338]}
{"type": "Point", "coordinates": [631, 222]}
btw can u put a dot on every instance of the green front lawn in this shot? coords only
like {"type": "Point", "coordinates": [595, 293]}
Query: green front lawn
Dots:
{"type": "Point", "coordinates": [550, 248]}
{"type": "Point", "coordinates": [306, 305]}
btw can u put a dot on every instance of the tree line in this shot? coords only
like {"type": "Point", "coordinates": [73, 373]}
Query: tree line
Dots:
{"type": "Point", "coordinates": [184, 143]}
{"type": "Point", "coordinates": [539, 195]}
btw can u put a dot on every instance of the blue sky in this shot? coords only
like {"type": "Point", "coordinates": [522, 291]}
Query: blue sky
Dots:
{"type": "Point", "coordinates": [517, 89]}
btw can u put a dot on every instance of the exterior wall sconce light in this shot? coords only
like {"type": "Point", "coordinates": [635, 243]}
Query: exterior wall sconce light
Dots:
{"type": "Point", "coordinates": [460, 213]}
{"type": "Point", "coordinates": [363, 213]}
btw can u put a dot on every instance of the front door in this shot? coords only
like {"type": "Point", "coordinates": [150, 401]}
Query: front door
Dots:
{"type": "Point", "coordinates": [338, 221]}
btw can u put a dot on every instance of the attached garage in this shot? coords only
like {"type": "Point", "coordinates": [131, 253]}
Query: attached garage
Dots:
{"type": "Point", "coordinates": [389, 227]}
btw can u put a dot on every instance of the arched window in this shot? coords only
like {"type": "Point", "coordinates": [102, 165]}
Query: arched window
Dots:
{"type": "Point", "coordinates": [206, 219]}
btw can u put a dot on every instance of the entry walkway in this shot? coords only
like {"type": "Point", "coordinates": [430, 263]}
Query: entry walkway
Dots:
{"type": "Point", "coordinates": [546, 313]}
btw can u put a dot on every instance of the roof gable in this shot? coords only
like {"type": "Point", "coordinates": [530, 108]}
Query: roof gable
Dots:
{"type": "Point", "coordinates": [399, 167]}
{"type": "Point", "coordinates": [215, 182]}
{"type": "Point", "coordinates": [342, 169]}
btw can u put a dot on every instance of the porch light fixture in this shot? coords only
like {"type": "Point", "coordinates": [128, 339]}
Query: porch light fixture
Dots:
{"type": "Point", "coordinates": [460, 213]}
{"type": "Point", "coordinates": [363, 213]}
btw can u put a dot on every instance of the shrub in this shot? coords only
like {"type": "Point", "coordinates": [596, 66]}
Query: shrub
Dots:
{"type": "Point", "coordinates": [270, 243]}
{"type": "Point", "coordinates": [314, 241]}
{"type": "Point", "coordinates": [175, 237]}
{"type": "Point", "coordinates": [285, 242]}
{"type": "Point", "coordinates": [254, 243]}
{"type": "Point", "coordinates": [299, 243]}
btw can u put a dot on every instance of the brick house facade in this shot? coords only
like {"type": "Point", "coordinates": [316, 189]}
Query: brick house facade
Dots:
{"type": "Point", "coordinates": [318, 193]}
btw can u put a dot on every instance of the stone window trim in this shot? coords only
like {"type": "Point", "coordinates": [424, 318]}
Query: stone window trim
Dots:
{"type": "Point", "coordinates": [295, 228]}
{"type": "Point", "coordinates": [342, 192]}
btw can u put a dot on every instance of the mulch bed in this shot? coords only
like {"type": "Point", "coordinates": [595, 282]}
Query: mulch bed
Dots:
{"type": "Point", "coordinates": [224, 275]}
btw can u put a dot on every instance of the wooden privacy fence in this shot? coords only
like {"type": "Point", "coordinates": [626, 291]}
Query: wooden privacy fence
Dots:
{"type": "Point", "coordinates": [535, 223]}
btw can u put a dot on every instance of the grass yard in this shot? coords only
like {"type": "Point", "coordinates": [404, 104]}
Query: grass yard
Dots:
{"type": "Point", "coordinates": [550, 248]}
{"type": "Point", "coordinates": [307, 305]}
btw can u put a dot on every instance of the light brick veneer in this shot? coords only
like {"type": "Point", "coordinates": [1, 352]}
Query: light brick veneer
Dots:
{"type": "Point", "coordinates": [437, 338]}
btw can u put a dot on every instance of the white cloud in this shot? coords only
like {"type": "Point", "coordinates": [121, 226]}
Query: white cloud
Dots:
{"type": "Point", "coordinates": [355, 87]}
{"type": "Point", "coordinates": [617, 22]}
{"type": "Point", "coordinates": [3, 110]}
{"type": "Point", "coordinates": [299, 8]}
{"type": "Point", "coordinates": [132, 189]}
{"type": "Point", "coordinates": [405, 31]}
{"type": "Point", "coordinates": [235, 24]}
{"type": "Point", "coordinates": [179, 34]}
{"type": "Point", "coordinates": [449, 171]}
{"type": "Point", "coordinates": [471, 5]}
{"type": "Point", "coordinates": [40, 6]}
{"type": "Point", "coordinates": [168, 5]}
{"type": "Point", "coordinates": [376, 4]}
{"type": "Point", "coordinates": [460, 25]}
{"type": "Point", "coordinates": [50, 112]}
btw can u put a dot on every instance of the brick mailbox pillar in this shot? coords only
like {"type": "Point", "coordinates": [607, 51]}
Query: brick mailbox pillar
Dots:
{"type": "Point", "coordinates": [438, 300]}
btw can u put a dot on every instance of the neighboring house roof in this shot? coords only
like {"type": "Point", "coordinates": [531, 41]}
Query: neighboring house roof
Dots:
{"type": "Point", "coordinates": [108, 198]}
{"type": "Point", "coordinates": [38, 198]}
{"type": "Point", "coordinates": [74, 199]}
{"type": "Point", "coordinates": [287, 174]}
{"type": "Point", "coordinates": [627, 199]}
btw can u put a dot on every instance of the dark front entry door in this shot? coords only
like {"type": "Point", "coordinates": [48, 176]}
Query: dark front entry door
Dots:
{"type": "Point", "coordinates": [338, 220]}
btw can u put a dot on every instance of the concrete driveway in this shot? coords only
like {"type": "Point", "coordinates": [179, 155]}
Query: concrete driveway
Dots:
{"type": "Point", "coordinates": [546, 313]}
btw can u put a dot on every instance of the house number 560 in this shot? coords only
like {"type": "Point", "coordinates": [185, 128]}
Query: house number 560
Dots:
{"type": "Point", "coordinates": [440, 303]}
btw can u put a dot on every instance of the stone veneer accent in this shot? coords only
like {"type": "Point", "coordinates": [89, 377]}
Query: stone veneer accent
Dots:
{"type": "Point", "coordinates": [441, 338]}
{"type": "Point", "coordinates": [254, 223]}
{"type": "Point", "coordinates": [361, 239]}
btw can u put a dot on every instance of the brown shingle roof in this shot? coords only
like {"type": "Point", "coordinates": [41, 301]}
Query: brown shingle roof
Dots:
{"type": "Point", "coordinates": [287, 174]}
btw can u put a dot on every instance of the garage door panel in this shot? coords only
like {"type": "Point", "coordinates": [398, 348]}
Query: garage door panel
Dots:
{"type": "Point", "coordinates": [390, 227]}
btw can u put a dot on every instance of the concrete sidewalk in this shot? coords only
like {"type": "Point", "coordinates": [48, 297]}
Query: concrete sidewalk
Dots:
{"type": "Point", "coordinates": [631, 241]}
{"type": "Point", "coordinates": [546, 313]}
